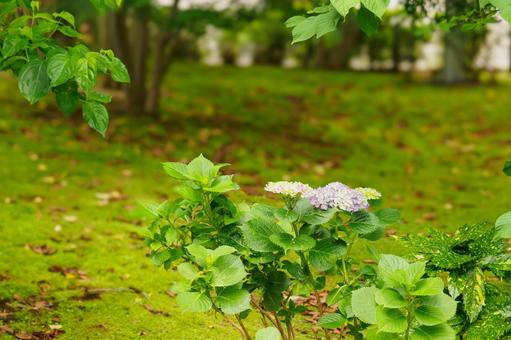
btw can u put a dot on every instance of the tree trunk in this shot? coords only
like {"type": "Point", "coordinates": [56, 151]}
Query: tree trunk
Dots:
{"type": "Point", "coordinates": [160, 67]}
{"type": "Point", "coordinates": [163, 54]}
{"type": "Point", "coordinates": [346, 48]}
{"type": "Point", "coordinates": [396, 48]}
{"type": "Point", "coordinates": [454, 70]}
{"type": "Point", "coordinates": [138, 69]}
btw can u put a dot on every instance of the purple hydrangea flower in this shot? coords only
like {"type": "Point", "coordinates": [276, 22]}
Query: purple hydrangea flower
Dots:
{"type": "Point", "coordinates": [337, 195]}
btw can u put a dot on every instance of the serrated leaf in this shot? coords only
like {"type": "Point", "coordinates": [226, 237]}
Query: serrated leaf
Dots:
{"type": "Point", "coordinates": [331, 321]}
{"type": "Point", "coordinates": [438, 332]}
{"type": "Point", "coordinates": [390, 320]}
{"type": "Point", "coordinates": [257, 232]}
{"type": "Point", "coordinates": [344, 6]}
{"type": "Point", "coordinates": [228, 270]}
{"type": "Point", "coordinates": [429, 286]}
{"type": "Point", "coordinates": [377, 7]}
{"type": "Point", "coordinates": [233, 300]}
{"type": "Point", "coordinates": [176, 170]}
{"type": "Point", "coordinates": [188, 271]}
{"type": "Point", "coordinates": [326, 252]}
{"type": "Point", "coordinates": [435, 309]}
{"type": "Point", "coordinates": [364, 222]}
{"type": "Point", "coordinates": [390, 298]}
{"type": "Point", "coordinates": [287, 241]}
{"type": "Point", "coordinates": [194, 302]}
{"type": "Point", "coordinates": [363, 304]}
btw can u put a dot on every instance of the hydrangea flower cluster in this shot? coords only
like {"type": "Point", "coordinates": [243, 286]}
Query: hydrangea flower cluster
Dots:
{"type": "Point", "coordinates": [370, 193]}
{"type": "Point", "coordinates": [291, 189]}
{"type": "Point", "coordinates": [338, 195]}
{"type": "Point", "coordinates": [334, 195]}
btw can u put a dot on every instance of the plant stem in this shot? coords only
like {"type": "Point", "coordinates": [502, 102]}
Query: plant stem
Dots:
{"type": "Point", "coordinates": [279, 326]}
{"type": "Point", "coordinates": [343, 259]}
{"type": "Point", "coordinates": [409, 320]}
{"type": "Point", "coordinates": [245, 332]}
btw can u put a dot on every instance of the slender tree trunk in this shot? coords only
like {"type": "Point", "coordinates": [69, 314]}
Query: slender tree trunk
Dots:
{"type": "Point", "coordinates": [160, 67]}
{"type": "Point", "coordinates": [138, 68]}
{"type": "Point", "coordinates": [346, 48]}
{"type": "Point", "coordinates": [454, 69]}
{"type": "Point", "coordinates": [163, 54]}
{"type": "Point", "coordinates": [396, 48]}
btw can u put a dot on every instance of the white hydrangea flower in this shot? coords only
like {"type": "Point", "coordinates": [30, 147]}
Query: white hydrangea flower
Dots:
{"type": "Point", "coordinates": [369, 193]}
{"type": "Point", "coordinates": [291, 189]}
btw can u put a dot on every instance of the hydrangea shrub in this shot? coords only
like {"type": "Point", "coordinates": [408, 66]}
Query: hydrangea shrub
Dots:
{"type": "Point", "coordinates": [235, 259]}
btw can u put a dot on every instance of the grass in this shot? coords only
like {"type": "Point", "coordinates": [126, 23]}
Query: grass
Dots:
{"type": "Point", "coordinates": [435, 153]}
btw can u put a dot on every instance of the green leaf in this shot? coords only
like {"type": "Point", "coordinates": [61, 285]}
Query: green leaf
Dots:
{"type": "Point", "coordinates": [96, 115]}
{"type": "Point", "coordinates": [67, 97]}
{"type": "Point", "coordinates": [194, 302]}
{"type": "Point", "coordinates": [228, 270]}
{"type": "Point", "coordinates": [344, 6]}
{"type": "Point", "coordinates": [363, 304]}
{"type": "Point", "coordinates": [34, 82]}
{"type": "Point", "coordinates": [257, 232]}
{"type": "Point", "coordinates": [222, 184]}
{"type": "Point", "coordinates": [377, 7]}
{"type": "Point", "coordinates": [68, 31]}
{"type": "Point", "coordinates": [367, 21]}
{"type": "Point", "coordinates": [331, 321]}
{"type": "Point", "coordinates": [287, 241]}
{"type": "Point", "coordinates": [176, 170]}
{"type": "Point", "coordinates": [438, 332]}
{"type": "Point", "coordinates": [396, 271]}
{"type": "Point", "coordinates": [200, 253]}
{"type": "Point", "coordinates": [293, 21]}
{"type": "Point", "coordinates": [167, 255]}
{"type": "Point", "coordinates": [326, 252]}
{"type": "Point", "coordinates": [316, 25]}
{"type": "Point", "coordinates": [316, 217]}
{"type": "Point", "coordinates": [60, 69]}
{"type": "Point", "coordinates": [233, 300]}
{"type": "Point", "coordinates": [99, 97]}
{"type": "Point", "coordinates": [429, 286]}
{"type": "Point", "coordinates": [338, 294]}
{"type": "Point", "coordinates": [390, 298]}
{"type": "Point", "coordinates": [214, 255]}
{"type": "Point", "coordinates": [188, 271]}
{"type": "Point", "coordinates": [390, 320]}
{"type": "Point", "coordinates": [85, 74]}
{"type": "Point", "coordinates": [388, 216]}
{"type": "Point", "coordinates": [268, 333]}
{"type": "Point", "coordinates": [119, 71]}
{"type": "Point", "coordinates": [66, 16]}
{"type": "Point", "coordinates": [364, 222]}
{"type": "Point", "coordinates": [274, 285]}
{"type": "Point", "coordinates": [474, 293]}
{"type": "Point", "coordinates": [435, 309]}
{"type": "Point", "coordinates": [13, 44]}
{"type": "Point", "coordinates": [503, 225]}
{"type": "Point", "coordinates": [201, 169]}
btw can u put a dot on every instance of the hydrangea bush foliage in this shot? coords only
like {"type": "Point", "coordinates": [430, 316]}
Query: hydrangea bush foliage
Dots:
{"type": "Point", "coordinates": [235, 259]}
